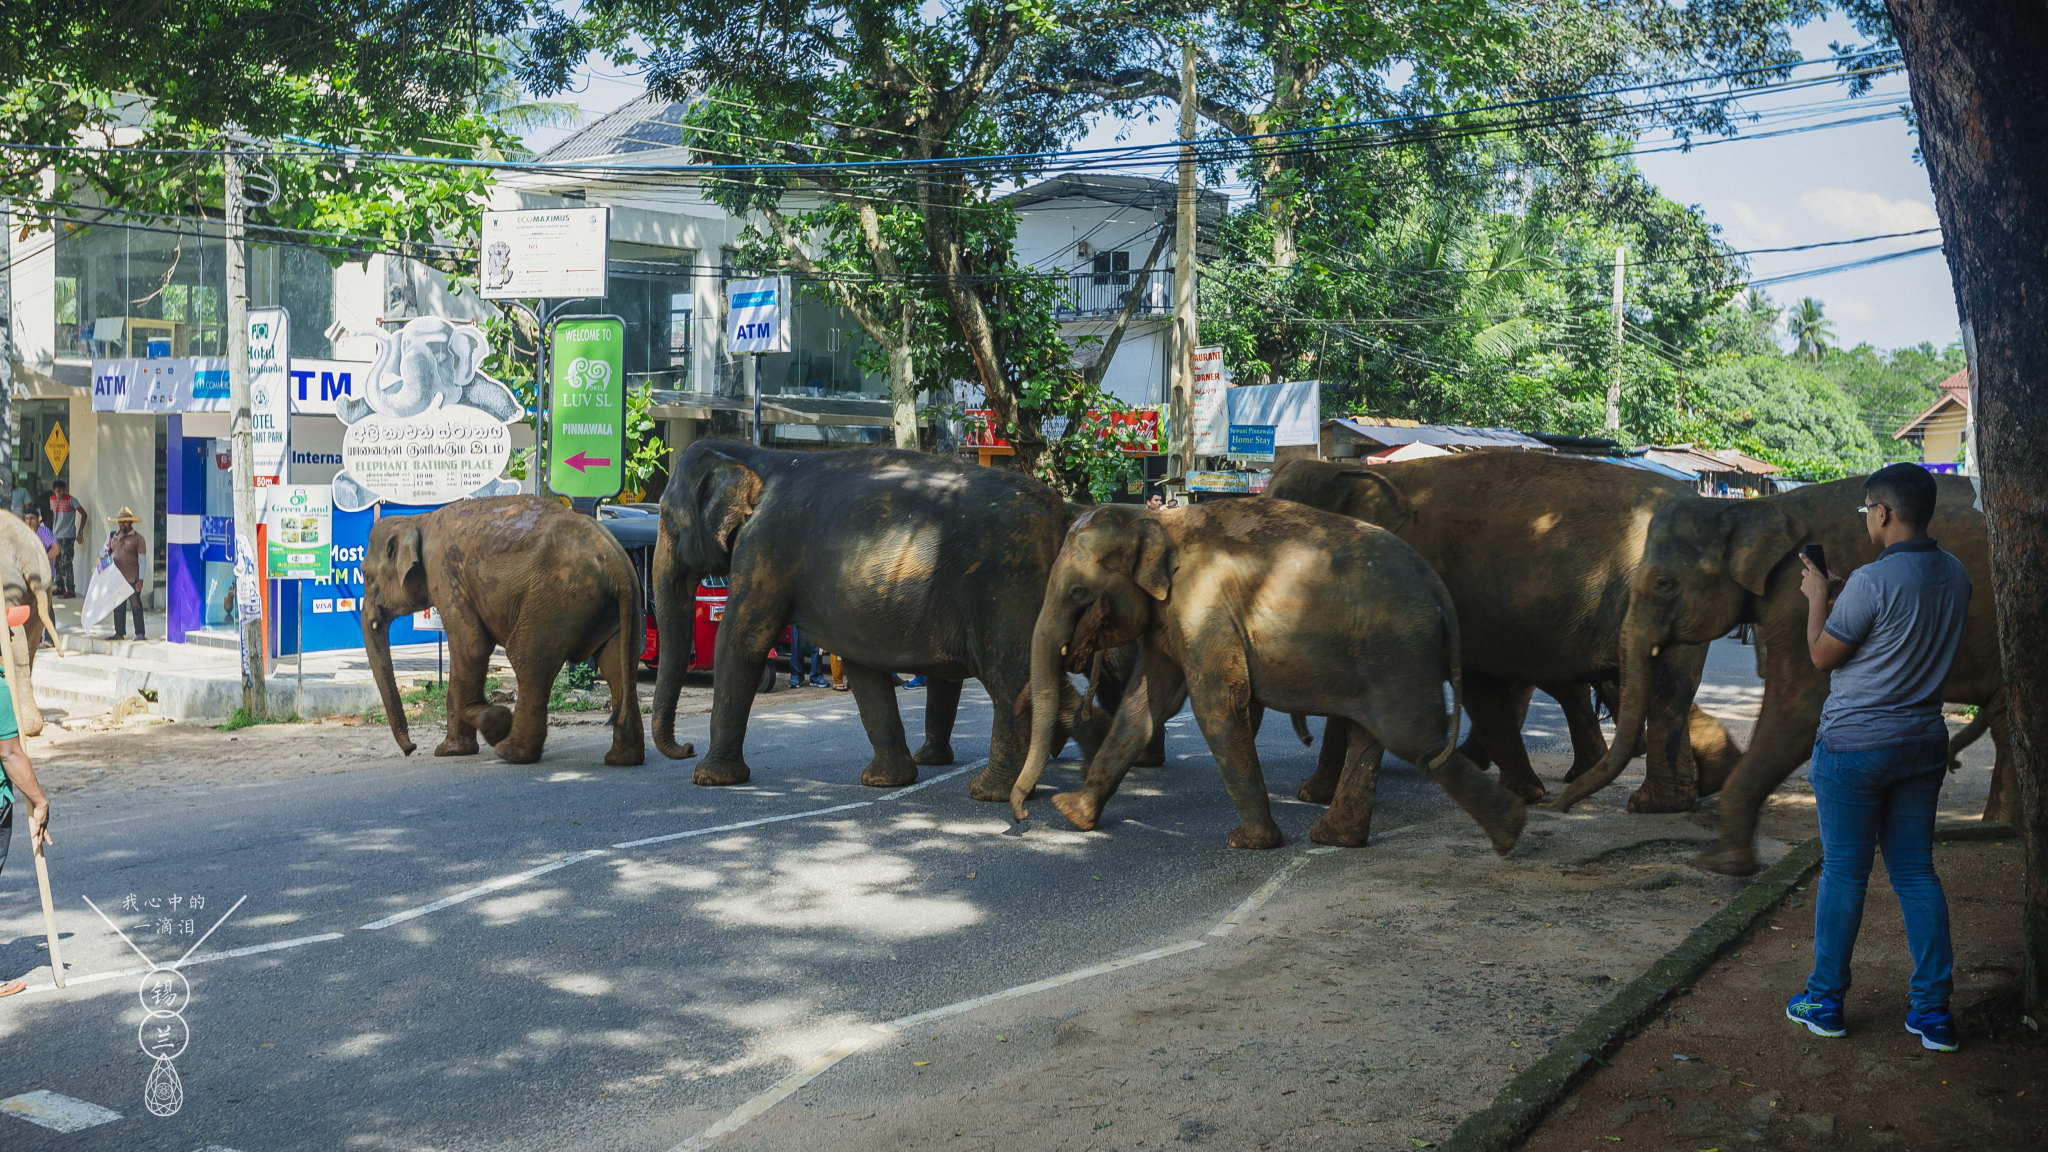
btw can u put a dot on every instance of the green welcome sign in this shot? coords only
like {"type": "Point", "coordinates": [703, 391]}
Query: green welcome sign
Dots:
{"type": "Point", "coordinates": [587, 407]}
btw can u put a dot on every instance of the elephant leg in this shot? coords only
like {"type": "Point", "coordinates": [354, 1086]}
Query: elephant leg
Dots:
{"type": "Point", "coordinates": [1492, 703]}
{"type": "Point", "coordinates": [874, 692]}
{"type": "Point", "coordinates": [1669, 779]}
{"type": "Point", "coordinates": [1582, 720]}
{"type": "Point", "coordinates": [1348, 823]}
{"type": "Point", "coordinates": [1783, 741]}
{"type": "Point", "coordinates": [1224, 709]}
{"type": "Point", "coordinates": [752, 622]}
{"type": "Point", "coordinates": [536, 676]}
{"type": "Point", "coordinates": [1156, 691]}
{"type": "Point", "coordinates": [1499, 813]}
{"type": "Point", "coordinates": [629, 741]}
{"type": "Point", "coordinates": [941, 707]}
{"type": "Point", "coordinates": [1322, 787]}
{"type": "Point", "coordinates": [1714, 752]}
{"type": "Point", "coordinates": [469, 658]}
{"type": "Point", "coordinates": [1109, 695]}
{"type": "Point", "coordinates": [2003, 802]}
{"type": "Point", "coordinates": [1475, 747]}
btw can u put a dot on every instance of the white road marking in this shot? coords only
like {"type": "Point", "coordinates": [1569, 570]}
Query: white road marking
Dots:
{"type": "Point", "coordinates": [1253, 902]}
{"type": "Point", "coordinates": [56, 1112]}
{"type": "Point", "coordinates": [788, 1085]}
{"type": "Point", "coordinates": [215, 1148]}
{"type": "Point", "coordinates": [480, 890]}
{"type": "Point", "coordinates": [932, 781]}
{"type": "Point", "coordinates": [782, 1090]}
{"type": "Point", "coordinates": [1038, 986]}
{"type": "Point", "coordinates": [742, 824]}
{"type": "Point", "coordinates": [203, 958]}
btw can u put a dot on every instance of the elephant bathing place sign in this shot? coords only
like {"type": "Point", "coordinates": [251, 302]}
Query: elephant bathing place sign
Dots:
{"type": "Point", "coordinates": [430, 426]}
{"type": "Point", "coordinates": [587, 407]}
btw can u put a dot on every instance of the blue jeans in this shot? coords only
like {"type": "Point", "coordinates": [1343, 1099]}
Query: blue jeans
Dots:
{"type": "Point", "coordinates": [1880, 798]}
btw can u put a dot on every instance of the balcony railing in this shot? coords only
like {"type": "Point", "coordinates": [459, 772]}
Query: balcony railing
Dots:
{"type": "Point", "coordinates": [1097, 294]}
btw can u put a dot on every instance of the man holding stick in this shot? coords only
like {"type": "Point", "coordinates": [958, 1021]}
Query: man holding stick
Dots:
{"type": "Point", "coordinates": [20, 779]}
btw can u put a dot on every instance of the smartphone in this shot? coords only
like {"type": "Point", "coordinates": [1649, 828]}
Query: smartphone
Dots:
{"type": "Point", "coordinates": [1813, 553]}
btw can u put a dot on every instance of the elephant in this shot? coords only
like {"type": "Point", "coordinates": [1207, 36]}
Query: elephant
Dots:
{"type": "Point", "coordinates": [1538, 551]}
{"type": "Point", "coordinates": [547, 583]}
{"type": "Point", "coordinates": [25, 580]}
{"type": "Point", "coordinates": [893, 560]}
{"type": "Point", "coordinates": [1250, 604]}
{"type": "Point", "coordinates": [1711, 564]}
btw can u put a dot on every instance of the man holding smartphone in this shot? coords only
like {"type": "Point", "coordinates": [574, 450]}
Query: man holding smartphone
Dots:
{"type": "Point", "coordinates": [1882, 750]}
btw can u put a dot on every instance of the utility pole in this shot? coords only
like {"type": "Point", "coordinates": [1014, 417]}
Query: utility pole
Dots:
{"type": "Point", "coordinates": [1614, 385]}
{"type": "Point", "coordinates": [253, 640]}
{"type": "Point", "coordinates": [1181, 407]}
{"type": "Point", "coordinates": [7, 436]}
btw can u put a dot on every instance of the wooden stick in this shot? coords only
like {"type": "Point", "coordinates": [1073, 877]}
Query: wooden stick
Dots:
{"type": "Point", "coordinates": [49, 913]}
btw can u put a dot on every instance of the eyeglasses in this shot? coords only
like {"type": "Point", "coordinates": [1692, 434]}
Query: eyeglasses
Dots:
{"type": "Point", "coordinates": [1864, 510]}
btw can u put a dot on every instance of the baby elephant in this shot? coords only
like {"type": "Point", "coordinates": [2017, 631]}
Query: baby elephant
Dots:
{"type": "Point", "coordinates": [1253, 604]}
{"type": "Point", "coordinates": [527, 573]}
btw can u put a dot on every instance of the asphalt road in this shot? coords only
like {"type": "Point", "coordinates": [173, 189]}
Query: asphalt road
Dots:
{"type": "Point", "coordinates": [635, 968]}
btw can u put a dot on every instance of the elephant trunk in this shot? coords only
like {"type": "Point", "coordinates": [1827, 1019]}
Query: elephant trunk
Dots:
{"type": "Point", "coordinates": [1638, 646]}
{"type": "Point", "coordinates": [1048, 644]}
{"type": "Point", "coordinates": [674, 598]}
{"type": "Point", "coordinates": [49, 621]}
{"type": "Point", "coordinates": [377, 645]}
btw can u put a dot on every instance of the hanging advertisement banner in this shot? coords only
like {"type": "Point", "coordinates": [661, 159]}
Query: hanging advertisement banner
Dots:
{"type": "Point", "coordinates": [299, 532]}
{"type": "Point", "coordinates": [757, 315]}
{"type": "Point", "coordinates": [1210, 414]}
{"type": "Point", "coordinates": [200, 384]}
{"type": "Point", "coordinates": [587, 407]}
{"type": "Point", "coordinates": [269, 393]}
{"type": "Point", "coordinates": [426, 425]}
{"type": "Point", "coordinates": [548, 253]}
{"type": "Point", "coordinates": [1251, 441]}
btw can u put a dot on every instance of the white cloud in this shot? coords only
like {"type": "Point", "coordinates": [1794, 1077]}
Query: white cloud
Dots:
{"type": "Point", "coordinates": [1751, 228]}
{"type": "Point", "coordinates": [1864, 213]}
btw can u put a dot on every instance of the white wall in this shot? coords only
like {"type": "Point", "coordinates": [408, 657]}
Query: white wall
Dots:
{"type": "Point", "coordinates": [1049, 234]}
{"type": "Point", "coordinates": [113, 465]}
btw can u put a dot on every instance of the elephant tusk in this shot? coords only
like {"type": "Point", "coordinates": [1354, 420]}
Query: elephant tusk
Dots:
{"type": "Point", "coordinates": [1654, 649]}
{"type": "Point", "coordinates": [1063, 649]}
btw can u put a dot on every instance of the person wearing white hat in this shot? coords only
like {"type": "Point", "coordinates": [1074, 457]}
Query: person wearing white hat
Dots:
{"type": "Point", "coordinates": [127, 549]}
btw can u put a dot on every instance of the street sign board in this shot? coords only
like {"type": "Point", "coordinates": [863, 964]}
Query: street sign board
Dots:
{"type": "Point", "coordinates": [1219, 482]}
{"type": "Point", "coordinates": [269, 393]}
{"type": "Point", "coordinates": [587, 406]}
{"type": "Point", "coordinates": [757, 314]}
{"type": "Point", "coordinates": [298, 530]}
{"type": "Point", "coordinates": [1252, 441]}
{"type": "Point", "coordinates": [1211, 416]}
{"type": "Point", "coordinates": [546, 253]}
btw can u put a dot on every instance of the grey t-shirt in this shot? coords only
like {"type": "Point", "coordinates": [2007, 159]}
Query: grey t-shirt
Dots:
{"type": "Point", "coordinates": [1904, 612]}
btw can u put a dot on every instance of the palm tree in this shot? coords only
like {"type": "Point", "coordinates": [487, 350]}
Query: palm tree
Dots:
{"type": "Point", "coordinates": [1809, 328]}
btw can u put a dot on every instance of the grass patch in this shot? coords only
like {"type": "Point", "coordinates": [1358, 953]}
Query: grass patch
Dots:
{"type": "Point", "coordinates": [576, 689]}
{"type": "Point", "coordinates": [573, 691]}
{"type": "Point", "coordinates": [243, 718]}
{"type": "Point", "coordinates": [427, 703]}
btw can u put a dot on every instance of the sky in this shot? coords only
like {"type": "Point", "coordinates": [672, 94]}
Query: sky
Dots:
{"type": "Point", "coordinates": [1836, 184]}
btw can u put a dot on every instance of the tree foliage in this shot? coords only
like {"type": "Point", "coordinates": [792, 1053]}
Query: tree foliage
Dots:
{"type": "Point", "coordinates": [1784, 411]}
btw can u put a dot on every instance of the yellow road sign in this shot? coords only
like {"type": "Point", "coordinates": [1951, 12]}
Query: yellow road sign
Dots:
{"type": "Point", "coordinates": [57, 448]}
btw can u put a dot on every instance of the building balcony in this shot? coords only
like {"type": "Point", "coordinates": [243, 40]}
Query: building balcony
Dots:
{"type": "Point", "coordinates": [1092, 295]}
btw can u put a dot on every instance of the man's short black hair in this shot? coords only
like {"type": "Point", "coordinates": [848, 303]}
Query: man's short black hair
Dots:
{"type": "Point", "coordinates": [1907, 489]}
{"type": "Point", "coordinates": [60, 483]}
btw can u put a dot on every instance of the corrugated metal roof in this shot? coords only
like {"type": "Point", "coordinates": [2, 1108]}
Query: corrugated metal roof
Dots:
{"type": "Point", "coordinates": [1393, 435]}
{"type": "Point", "coordinates": [646, 123]}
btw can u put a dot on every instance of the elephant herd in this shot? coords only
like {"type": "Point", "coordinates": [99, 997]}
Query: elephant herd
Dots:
{"type": "Point", "coordinates": [1352, 593]}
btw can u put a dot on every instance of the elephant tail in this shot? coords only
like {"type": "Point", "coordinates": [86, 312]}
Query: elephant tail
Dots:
{"type": "Point", "coordinates": [1454, 670]}
{"type": "Point", "coordinates": [632, 638]}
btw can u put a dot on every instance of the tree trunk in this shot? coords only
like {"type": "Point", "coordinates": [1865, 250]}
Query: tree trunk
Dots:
{"type": "Point", "coordinates": [903, 393]}
{"type": "Point", "coordinates": [1981, 96]}
{"type": "Point", "coordinates": [939, 201]}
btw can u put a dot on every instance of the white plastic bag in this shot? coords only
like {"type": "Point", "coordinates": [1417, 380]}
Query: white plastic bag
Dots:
{"type": "Point", "coordinates": [106, 592]}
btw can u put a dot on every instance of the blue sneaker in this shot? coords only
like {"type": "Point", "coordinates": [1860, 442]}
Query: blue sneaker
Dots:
{"type": "Point", "coordinates": [915, 682]}
{"type": "Point", "coordinates": [1935, 1028]}
{"type": "Point", "coordinates": [1822, 1015]}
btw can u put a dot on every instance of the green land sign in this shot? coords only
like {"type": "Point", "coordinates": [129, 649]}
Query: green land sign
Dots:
{"type": "Point", "coordinates": [587, 407]}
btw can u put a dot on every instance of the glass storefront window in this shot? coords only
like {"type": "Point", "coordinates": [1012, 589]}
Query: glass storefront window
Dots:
{"type": "Point", "coordinates": [653, 290]}
{"type": "Point", "coordinates": [825, 345]}
{"type": "Point", "coordinates": [128, 293]}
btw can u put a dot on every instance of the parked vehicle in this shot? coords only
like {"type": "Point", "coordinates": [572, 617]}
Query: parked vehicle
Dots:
{"type": "Point", "coordinates": [634, 526]}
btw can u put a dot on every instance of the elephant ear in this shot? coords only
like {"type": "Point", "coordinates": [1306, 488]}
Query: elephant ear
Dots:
{"type": "Point", "coordinates": [1157, 559]}
{"type": "Point", "coordinates": [1368, 478]}
{"type": "Point", "coordinates": [1759, 536]}
{"type": "Point", "coordinates": [727, 494]}
{"type": "Point", "coordinates": [407, 548]}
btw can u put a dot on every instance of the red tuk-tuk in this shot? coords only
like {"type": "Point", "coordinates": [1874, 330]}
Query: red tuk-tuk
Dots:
{"type": "Point", "coordinates": [635, 528]}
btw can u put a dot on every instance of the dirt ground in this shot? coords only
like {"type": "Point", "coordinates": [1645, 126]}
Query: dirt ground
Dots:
{"type": "Point", "coordinates": [1724, 1069]}
{"type": "Point", "coordinates": [98, 759]}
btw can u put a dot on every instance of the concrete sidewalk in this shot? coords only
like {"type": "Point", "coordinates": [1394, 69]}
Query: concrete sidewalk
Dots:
{"type": "Point", "coordinates": [201, 679]}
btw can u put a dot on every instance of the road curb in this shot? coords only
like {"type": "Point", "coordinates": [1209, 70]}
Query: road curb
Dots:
{"type": "Point", "coordinates": [1537, 1089]}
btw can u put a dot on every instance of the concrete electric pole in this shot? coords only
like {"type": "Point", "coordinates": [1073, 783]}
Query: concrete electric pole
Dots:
{"type": "Point", "coordinates": [1181, 455]}
{"type": "Point", "coordinates": [1614, 386]}
{"type": "Point", "coordinates": [251, 629]}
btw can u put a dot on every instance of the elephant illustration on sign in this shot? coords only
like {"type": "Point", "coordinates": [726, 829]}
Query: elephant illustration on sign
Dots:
{"type": "Point", "coordinates": [430, 365]}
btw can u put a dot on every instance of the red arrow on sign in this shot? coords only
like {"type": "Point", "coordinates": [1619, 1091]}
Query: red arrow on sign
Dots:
{"type": "Point", "coordinates": [580, 462]}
